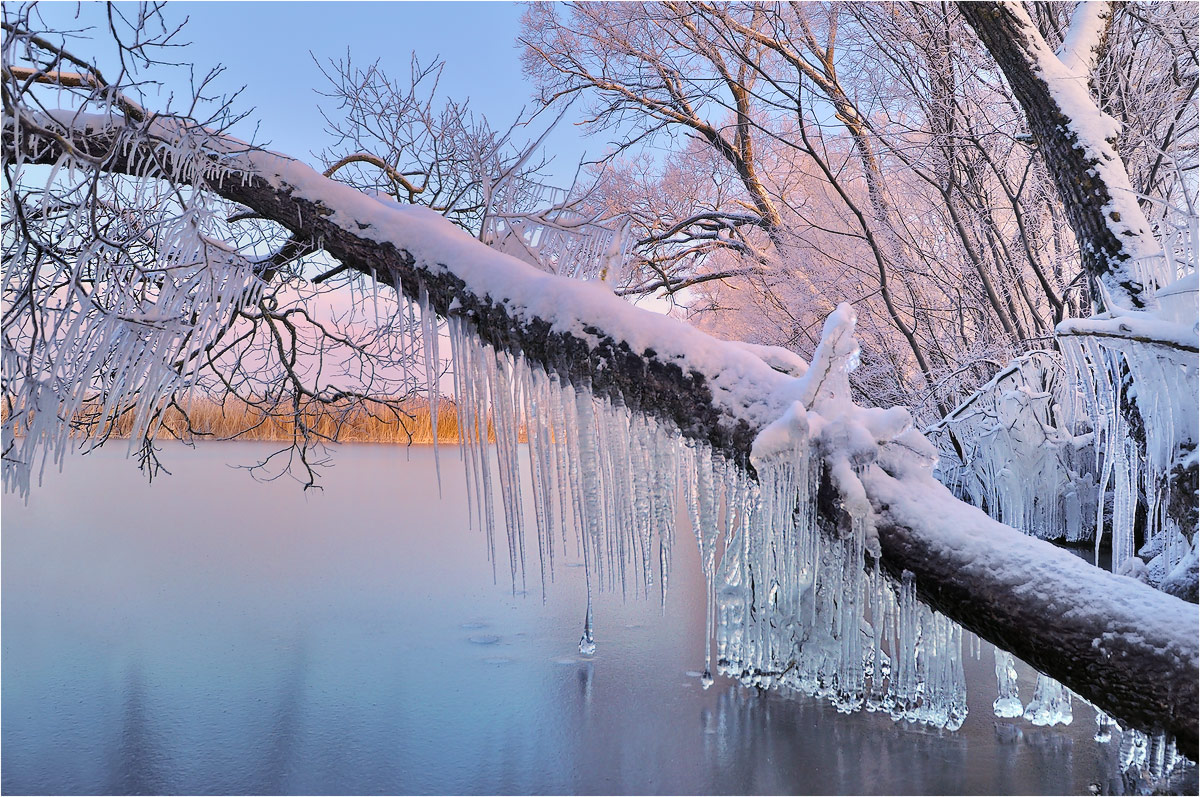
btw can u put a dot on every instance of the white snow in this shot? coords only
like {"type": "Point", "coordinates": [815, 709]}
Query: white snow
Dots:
{"type": "Point", "coordinates": [743, 385]}
{"type": "Point", "coordinates": [993, 553]}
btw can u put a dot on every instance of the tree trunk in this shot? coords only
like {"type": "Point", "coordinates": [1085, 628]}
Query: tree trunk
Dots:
{"type": "Point", "coordinates": [1042, 603]}
{"type": "Point", "coordinates": [1107, 242]}
{"type": "Point", "coordinates": [1092, 182]}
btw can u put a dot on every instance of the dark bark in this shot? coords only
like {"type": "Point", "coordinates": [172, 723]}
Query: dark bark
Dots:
{"type": "Point", "coordinates": [1146, 687]}
{"type": "Point", "coordinates": [642, 380]}
{"type": "Point", "coordinates": [1084, 195]}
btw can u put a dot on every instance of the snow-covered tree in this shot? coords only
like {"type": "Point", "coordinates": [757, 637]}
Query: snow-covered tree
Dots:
{"type": "Point", "coordinates": [896, 113]}
{"type": "Point", "coordinates": [124, 273]}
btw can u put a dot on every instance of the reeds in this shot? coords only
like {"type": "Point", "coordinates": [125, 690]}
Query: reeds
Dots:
{"type": "Point", "coordinates": [406, 422]}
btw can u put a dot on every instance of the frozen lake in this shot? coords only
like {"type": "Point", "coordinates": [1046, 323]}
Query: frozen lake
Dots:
{"type": "Point", "coordinates": [211, 634]}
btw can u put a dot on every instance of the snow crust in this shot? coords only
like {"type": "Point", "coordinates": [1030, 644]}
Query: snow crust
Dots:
{"type": "Point", "coordinates": [991, 552]}
{"type": "Point", "coordinates": [743, 385]}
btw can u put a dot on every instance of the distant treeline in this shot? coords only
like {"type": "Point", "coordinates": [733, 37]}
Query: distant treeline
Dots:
{"type": "Point", "coordinates": [405, 422]}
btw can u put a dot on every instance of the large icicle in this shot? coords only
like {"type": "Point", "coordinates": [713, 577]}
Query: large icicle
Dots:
{"type": "Point", "coordinates": [795, 598]}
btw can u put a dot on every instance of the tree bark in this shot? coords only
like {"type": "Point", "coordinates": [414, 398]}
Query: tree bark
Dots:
{"type": "Point", "coordinates": [1041, 604]}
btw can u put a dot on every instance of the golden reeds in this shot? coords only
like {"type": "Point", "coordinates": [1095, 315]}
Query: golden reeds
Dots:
{"type": "Point", "coordinates": [409, 421]}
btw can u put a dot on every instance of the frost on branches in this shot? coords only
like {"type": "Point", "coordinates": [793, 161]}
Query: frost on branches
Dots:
{"type": "Point", "coordinates": [1137, 372]}
{"type": "Point", "coordinates": [114, 318]}
{"type": "Point", "coordinates": [1066, 446]}
{"type": "Point", "coordinates": [791, 530]}
{"type": "Point", "coordinates": [541, 226]}
{"type": "Point", "coordinates": [1131, 372]}
{"type": "Point", "coordinates": [1014, 449]}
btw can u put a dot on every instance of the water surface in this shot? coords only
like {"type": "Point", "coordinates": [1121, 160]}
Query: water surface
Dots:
{"type": "Point", "coordinates": [211, 634]}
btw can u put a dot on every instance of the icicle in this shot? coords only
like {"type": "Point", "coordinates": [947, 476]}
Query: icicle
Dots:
{"type": "Point", "coordinates": [1051, 704]}
{"type": "Point", "coordinates": [905, 677]}
{"type": "Point", "coordinates": [704, 522]}
{"type": "Point", "coordinates": [1008, 701]}
{"type": "Point", "coordinates": [429, 337]}
{"type": "Point", "coordinates": [587, 642]}
{"type": "Point", "coordinates": [1022, 429]}
{"type": "Point", "coordinates": [879, 661]}
{"type": "Point", "coordinates": [1133, 750]}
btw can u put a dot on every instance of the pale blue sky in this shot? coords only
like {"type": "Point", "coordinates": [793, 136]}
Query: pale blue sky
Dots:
{"type": "Point", "coordinates": [265, 46]}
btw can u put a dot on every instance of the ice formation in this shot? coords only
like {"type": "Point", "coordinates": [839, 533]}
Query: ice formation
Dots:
{"type": "Point", "coordinates": [1008, 700]}
{"type": "Point", "coordinates": [1051, 704]}
{"type": "Point", "coordinates": [788, 603]}
{"type": "Point", "coordinates": [1017, 449]}
{"type": "Point", "coordinates": [562, 244]}
{"type": "Point", "coordinates": [120, 327]}
{"type": "Point", "coordinates": [1145, 364]}
{"type": "Point", "coordinates": [1044, 443]}
{"type": "Point", "coordinates": [792, 600]}
{"type": "Point", "coordinates": [536, 223]}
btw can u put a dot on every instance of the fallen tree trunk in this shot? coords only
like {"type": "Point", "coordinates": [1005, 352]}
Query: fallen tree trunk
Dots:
{"type": "Point", "coordinates": [1122, 645]}
{"type": "Point", "coordinates": [1127, 648]}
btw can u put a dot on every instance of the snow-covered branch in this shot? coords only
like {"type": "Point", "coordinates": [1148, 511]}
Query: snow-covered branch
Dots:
{"type": "Point", "coordinates": [1077, 143]}
{"type": "Point", "coordinates": [721, 395]}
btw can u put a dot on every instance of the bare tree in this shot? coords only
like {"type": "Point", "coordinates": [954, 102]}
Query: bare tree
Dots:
{"type": "Point", "coordinates": [924, 128]}
{"type": "Point", "coordinates": [124, 297]}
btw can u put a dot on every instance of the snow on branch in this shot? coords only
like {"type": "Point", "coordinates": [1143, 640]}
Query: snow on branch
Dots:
{"type": "Point", "coordinates": [1085, 37]}
{"type": "Point", "coordinates": [1077, 142]}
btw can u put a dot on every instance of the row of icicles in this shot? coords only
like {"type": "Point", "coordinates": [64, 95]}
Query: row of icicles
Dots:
{"type": "Point", "coordinates": [786, 605]}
